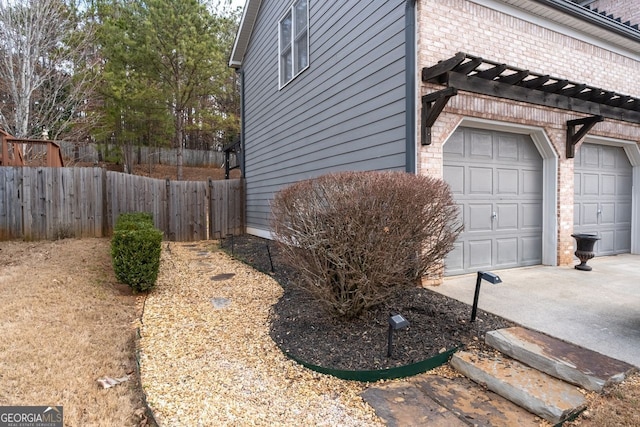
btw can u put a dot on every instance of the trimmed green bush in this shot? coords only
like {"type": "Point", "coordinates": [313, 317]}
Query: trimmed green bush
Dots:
{"type": "Point", "coordinates": [134, 220]}
{"type": "Point", "coordinates": [135, 250]}
{"type": "Point", "coordinates": [355, 237]}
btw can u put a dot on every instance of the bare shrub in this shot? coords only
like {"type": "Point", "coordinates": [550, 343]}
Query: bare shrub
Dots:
{"type": "Point", "coordinates": [64, 231]}
{"type": "Point", "coordinates": [353, 237]}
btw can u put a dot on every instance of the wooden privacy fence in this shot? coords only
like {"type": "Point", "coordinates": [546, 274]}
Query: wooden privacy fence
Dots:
{"type": "Point", "coordinates": [51, 203]}
{"type": "Point", "coordinates": [142, 155]}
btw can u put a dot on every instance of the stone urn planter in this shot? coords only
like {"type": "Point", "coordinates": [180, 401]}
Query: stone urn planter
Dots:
{"type": "Point", "coordinates": [584, 251]}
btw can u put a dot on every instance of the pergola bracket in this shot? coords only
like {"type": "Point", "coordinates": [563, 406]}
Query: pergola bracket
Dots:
{"type": "Point", "coordinates": [432, 106]}
{"type": "Point", "coordinates": [575, 135]}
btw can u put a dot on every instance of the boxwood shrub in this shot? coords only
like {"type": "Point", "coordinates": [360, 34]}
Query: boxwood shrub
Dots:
{"type": "Point", "coordinates": [135, 250]}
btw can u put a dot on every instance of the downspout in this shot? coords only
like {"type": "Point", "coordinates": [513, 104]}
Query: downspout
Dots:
{"type": "Point", "coordinates": [410, 85]}
{"type": "Point", "coordinates": [241, 158]}
{"type": "Point", "coordinates": [241, 154]}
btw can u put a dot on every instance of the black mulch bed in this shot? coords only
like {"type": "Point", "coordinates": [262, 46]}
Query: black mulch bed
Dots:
{"type": "Point", "coordinates": [300, 326]}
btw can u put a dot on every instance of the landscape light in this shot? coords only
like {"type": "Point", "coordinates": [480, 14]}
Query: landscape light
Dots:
{"type": "Point", "coordinates": [489, 277]}
{"type": "Point", "coordinates": [396, 321]}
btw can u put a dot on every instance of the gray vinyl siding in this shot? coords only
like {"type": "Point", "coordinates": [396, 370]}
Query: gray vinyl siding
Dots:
{"type": "Point", "coordinates": [345, 112]}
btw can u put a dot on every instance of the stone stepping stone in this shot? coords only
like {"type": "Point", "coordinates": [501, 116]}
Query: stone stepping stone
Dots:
{"type": "Point", "coordinates": [223, 276]}
{"type": "Point", "coordinates": [474, 404]}
{"type": "Point", "coordinates": [400, 404]}
{"type": "Point", "coordinates": [568, 362]}
{"type": "Point", "coordinates": [548, 397]}
{"type": "Point", "coordinates": [220, 303]}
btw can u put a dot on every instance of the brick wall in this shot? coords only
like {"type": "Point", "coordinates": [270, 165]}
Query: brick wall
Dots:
{"type": "Point", "coordinates": [450, 26]}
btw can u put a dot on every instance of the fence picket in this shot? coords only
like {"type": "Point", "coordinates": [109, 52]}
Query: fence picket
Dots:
{"type": "Point", "coordinates": [89, 153]}
{"type": "Point", "coordinates": [48, 203]}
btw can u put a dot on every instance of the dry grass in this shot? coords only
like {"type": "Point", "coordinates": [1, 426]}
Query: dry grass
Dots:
{"type": "Point", "coordinates": [618, 406]}
{"type": "Point", "coordinates": [65, 323]}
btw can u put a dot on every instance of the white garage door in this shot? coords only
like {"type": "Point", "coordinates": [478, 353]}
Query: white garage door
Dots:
{"type": "Point", "coordinates": [602, 198]}
{"type": "Point", "coordinates": [496, 179]}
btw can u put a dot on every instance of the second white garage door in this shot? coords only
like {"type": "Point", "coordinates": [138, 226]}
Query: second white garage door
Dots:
{"type": "Point", "coordinates": [496, 179]}
{"type": "Point", "coordinates": [603, 197]}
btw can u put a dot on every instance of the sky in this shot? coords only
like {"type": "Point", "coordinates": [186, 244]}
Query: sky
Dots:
{"type": "Point", "coordinates": [235, 3]}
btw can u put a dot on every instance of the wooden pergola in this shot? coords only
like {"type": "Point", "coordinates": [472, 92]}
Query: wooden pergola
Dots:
{"type": "Point", "coordinates": [477, 75]}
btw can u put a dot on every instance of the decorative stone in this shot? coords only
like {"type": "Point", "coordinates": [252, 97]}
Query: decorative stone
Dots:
{"type": "Point", "coordinates": [473, 403]}
{"type": "Point", "coordinates": [558, 358]}
{"type": "Point", "coordinates": [223, 276]}
{"type": "Point", "coordinates": [400, 404]}
{"type": "Point", "coordinates": [548, 397]}
{"type": "Point", "coordinates": [220, 303]}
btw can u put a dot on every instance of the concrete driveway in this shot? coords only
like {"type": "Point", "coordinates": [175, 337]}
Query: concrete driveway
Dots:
{"type": "Point", "coordinates": [599, 309]}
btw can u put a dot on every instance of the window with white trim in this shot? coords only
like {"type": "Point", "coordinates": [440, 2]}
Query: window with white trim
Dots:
{"type": "Point", "coordinates": [294, 41]}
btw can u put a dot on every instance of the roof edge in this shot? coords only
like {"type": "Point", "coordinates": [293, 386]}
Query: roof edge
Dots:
{"type": "Point", "coordinates": [241, 42]}
{"type": "Point", "coordinates": [592, 17]}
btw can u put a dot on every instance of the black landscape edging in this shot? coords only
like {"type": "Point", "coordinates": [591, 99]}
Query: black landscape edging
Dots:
{"type": "Point", "coordinates": [381, 374]}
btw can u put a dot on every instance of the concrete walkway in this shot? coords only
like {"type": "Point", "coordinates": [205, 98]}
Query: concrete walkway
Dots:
{"type": "Point", "coordinates": [598, 310]}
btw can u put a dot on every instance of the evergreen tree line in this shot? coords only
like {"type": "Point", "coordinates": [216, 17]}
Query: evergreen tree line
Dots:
{"type": "Point", "coordinates": [127, 72]}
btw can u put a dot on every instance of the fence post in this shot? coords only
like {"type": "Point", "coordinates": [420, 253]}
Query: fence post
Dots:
{"type": "Point", "coordinates": [105, 204]}
{"type": "Point", "coordinates": [168, 207]}
{"type": "Point", "coordinates": [209, 198]}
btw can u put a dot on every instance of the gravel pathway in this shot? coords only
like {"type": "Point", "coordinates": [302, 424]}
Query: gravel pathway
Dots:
{"type": "Point", "coordinates": [206, 357]}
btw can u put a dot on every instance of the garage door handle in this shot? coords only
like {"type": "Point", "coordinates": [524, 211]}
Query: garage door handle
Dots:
{"type": "Point", "coordinates": [494, 215]}
{"type": "Point", "coordinates": [599, 212]}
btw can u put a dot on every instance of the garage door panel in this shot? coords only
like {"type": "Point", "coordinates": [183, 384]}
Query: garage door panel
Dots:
{"type": "Point", "coordinates": [507, 148]}
{"type": "Point", "coordinates": [608, 185]}
{"type": "Point", "coordinates": [577, 183]}
{"type": "Point", "coordinates": [530, 154]}
{"type": "Point", "coordinates": [622, 241]}
{"type": "Point", "coordinates": [608, 158]}
{"type": "Point", "coordinates": [454, 148]}
{"type": "Point", "coordinates": [532, 182]}
{"type": "Point", "coordinates": [462, 213]}
{"type": "Point", "coordinates": [480, 253]}
{"type": "Point", "coordinates": [479, 217]}
{"type": "Point", "coordinates": [454, 176]}
{"type": "Point", "coordinates": [507, 181]}
{"type": "Point", "coordinates": [606, 244]}
{"type": "Point", "coordinates": [531, 250]}
{"type": "Point", "coordinates": [506, 216]}
{"type": "Point", "coordinates": [589, 155]}
{"type": "Point", "coordinates": [590, 184]}
{"type": "Point", "coordinates": [481, 145]}
{"type": "Point", "coordinates": [506, 252]}
{"type": "Point", "coordinates": [623, 185]}
{"type": "Point", "coordinates": [589, 213]}
{"type": "Point", "coordinates": [531, 218]}
{"type": "Point", "coordinates": [623, 214]}
{"type": "Point", "coordinates": [577, 211]}
{"type": "Point", "coordinates": [607, 213]}
{"type": "Point", "coordinates": [454, 261]}
{"type": "Point", "coordinates": [480, 180]}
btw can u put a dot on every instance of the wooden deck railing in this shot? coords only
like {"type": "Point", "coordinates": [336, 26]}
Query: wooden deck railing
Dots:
{"type": "Point", "coordinates": [48, 152]}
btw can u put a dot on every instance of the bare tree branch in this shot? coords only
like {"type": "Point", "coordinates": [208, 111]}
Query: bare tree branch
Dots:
{"type": "Point", "coordinates": [43, 68]}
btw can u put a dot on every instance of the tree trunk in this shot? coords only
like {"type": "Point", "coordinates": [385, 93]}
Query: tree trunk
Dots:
{"type": "Point", "coordinates": [179, 141]}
